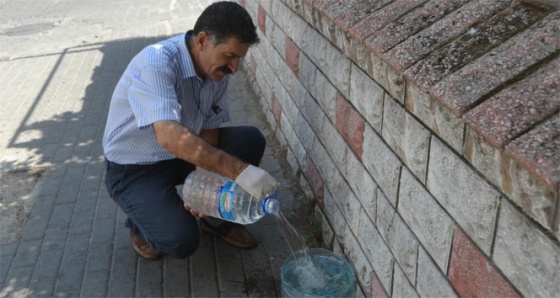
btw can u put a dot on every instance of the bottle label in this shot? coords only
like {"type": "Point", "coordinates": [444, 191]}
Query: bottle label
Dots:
{"type": "Point", "coordinates": [226, 200]}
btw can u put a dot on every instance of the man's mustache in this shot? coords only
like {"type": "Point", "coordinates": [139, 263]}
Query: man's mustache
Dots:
{"type": "Point", "coordinates": [225, 70]}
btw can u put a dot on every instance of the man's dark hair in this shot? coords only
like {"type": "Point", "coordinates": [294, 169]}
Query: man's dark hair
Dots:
{"type": "Point", "coordinates": [223, 20]}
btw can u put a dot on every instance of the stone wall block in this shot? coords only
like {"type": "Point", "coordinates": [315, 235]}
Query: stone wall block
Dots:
{"type": "Point", "coordinates": [326, 229]}
{"type": "Point", "coordinates": [357, 257]}
{"type": "Point", "coordinates": [429, 222]}
{"type": "Point", "coordinates": [431, 281]}
{"type": "Point", "coordinates": [529, 258]}
{"type": "Point", "coordinates": [276, 37]}
{"type": "Point", "coordinates": [377, 69]}
{"type": "Point", "coordinates": [276, 110]}
{"type": "Point", "coordinates": [339, 225]}
{"type": "Point", "coordinates": [535, 197]}
{"type": "Point", "coordinates": [396, 84]}
{"type": "Point", "coordinates": [393, 125]}
{"type": "Point", "coordinates": [315, 180]}
{"type": "Point", "coordinates": [436, 117]}
{"type": "Point", "coordinates": [362, 184]}
{"type": "Point", "coordinates": [385, 171]}
{"type": "Point", "coordinates": [401, 285]}
{"type": "Point", "coordinates": [336, 146]}
{"type": "Point", "coordinates": [293, 141]}
{"type": "Point", "coordinates": [376, 251]}
{"type": "Point", "coordinates": [367, 97]}
{"type": "Point", "coordinates": [406, 136]}
{"type": "Point", "coordinates": [468, 198]}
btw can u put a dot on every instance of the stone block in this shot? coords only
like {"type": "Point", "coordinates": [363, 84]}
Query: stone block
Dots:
{"type": "Point", "coordinates": [315, 180]}
{"type": "Point", "coordinates": [535, 197]}
{"type": "Point", "coordinates": [401, 285]}
{"type": "Point", "coordinates": [326, 95]}
{"type": "Point", "coordinates": [472, 274]}
{"type": "Point", "coordinates": [276, 109]}
{"type": "Point", "coordinates": [356, 256]}
{"type": "Point", "coordinates": [525, 255]}
{"type": "Point", "coordinates": [362, 184]}
{"type": "Point", "coordinates": [350, 125]}
{"type": "Point", "coordinates": [407, 137]}
{"type": "Point", "coordinates": [429, 222]}
{"type": "Point", "coordinates": [538, 151]}
{"type": "Point", "coordinates": [367, 97]}
{"type": "Point", "coordinates": [377, 69]}
{"type": "Point", "coordinates": [339, 224]}
{"type": "Point", "coordinates": [464, 88]}
{"type": "Point", "coordinates": [336, 146]}
{"type": "Point", "coordinates": [431, 281]}
{"type": "Point", "coordinates": [276, 37]}
{"type": "Point", "coordinates": [468, 198]}
{"type": "Point", "coordinates": [383, 165]}
{"type": "Point", "coordinates": [435, 116]}
{"type": "Point", "coordinates": [400, 239]}
{"type": "Point", "coordinates": [376, 251]}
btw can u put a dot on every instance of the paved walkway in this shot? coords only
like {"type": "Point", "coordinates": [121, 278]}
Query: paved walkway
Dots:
{"type": "Point", "coordinates": [59, 62]}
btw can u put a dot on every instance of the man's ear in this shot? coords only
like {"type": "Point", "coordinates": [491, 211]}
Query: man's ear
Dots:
{"type": "Point", "coordinates": [202, 40]}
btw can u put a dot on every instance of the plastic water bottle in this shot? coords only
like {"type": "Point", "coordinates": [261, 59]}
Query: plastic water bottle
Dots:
{"type": "Point", "coordinates": [213, 195]}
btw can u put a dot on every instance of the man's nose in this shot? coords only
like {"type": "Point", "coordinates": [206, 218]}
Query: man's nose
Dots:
{"type": "Point", "coordinates": [234, 64]}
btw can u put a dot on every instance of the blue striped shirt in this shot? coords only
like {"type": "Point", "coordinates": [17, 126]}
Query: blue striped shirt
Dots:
{"type": "Point", "coordinates": [160, 83]}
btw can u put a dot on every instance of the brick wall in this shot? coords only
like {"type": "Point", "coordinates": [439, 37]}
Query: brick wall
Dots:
{"type": "Point", "coordinates": [395, 115]}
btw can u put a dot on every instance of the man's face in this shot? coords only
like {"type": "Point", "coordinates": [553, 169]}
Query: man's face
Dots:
{"type": "Point", "coordinates": [215, 62]}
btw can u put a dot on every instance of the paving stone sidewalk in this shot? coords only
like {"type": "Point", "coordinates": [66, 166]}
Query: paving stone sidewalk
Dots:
{"type": "Point", "coordinates": [55, 88]}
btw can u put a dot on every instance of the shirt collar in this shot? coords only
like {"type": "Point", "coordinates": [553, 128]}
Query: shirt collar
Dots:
{"type": "Point", "coordinates": [187, 66]}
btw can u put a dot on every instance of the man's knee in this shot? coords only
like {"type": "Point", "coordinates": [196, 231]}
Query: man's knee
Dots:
{"type": "Point", "coordinates": [180, 243]}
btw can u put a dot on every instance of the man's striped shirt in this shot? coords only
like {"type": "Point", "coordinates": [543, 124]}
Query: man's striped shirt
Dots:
{"type": "Point", "coordinates": [160, 83]}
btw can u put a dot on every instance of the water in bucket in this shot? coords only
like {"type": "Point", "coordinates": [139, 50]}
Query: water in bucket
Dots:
{"type": "Point", "coordinates": [313, 272]}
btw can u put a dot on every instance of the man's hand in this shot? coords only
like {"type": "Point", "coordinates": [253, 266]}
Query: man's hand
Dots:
{"type": "Point", "coordinates": [193, 212]}
{"type": "Point", "coordinates": [256, 181]}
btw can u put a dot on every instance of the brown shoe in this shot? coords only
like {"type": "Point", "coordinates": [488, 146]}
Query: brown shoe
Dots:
{"type": "Point", "coordinates": [232, 233]}
{"type": "Point", "coordinates": [143, 249]}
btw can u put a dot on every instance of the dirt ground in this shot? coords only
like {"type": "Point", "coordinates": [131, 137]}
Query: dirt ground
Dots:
{"type": "Point", "coordinates": [15, 203]}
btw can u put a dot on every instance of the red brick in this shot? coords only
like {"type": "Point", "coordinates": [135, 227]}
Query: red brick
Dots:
{"type": "Point", "coordinates": [292, 55]}
{"type": "Point", "coordinates": [472, 274]}
{"type": "Point", "coordinates": [350, 124]}
{"type": "Point", "coordinates": [262, 19]}
{"type": "Point", "coordinates": [315, 180]}
{"type": "Point", "coordinates": [377, 290]}
{"type": "Point", "coordinates": [276, 109]}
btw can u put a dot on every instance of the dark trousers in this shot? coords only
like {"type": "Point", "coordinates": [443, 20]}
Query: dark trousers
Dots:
{"type": "Point", "coordinates": [148, 195]}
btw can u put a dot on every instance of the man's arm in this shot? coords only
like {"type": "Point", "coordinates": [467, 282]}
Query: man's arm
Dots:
{"type": "Point", "coordinates": [198, 150]}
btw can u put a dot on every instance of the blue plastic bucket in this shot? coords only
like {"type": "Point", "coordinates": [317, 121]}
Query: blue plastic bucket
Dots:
{"type": "Point", "coordinates": [327, 275]}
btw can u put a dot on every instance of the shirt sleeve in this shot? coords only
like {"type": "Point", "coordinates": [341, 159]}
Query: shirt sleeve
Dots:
{"type": "Point", "coordinates": [152, 95]}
